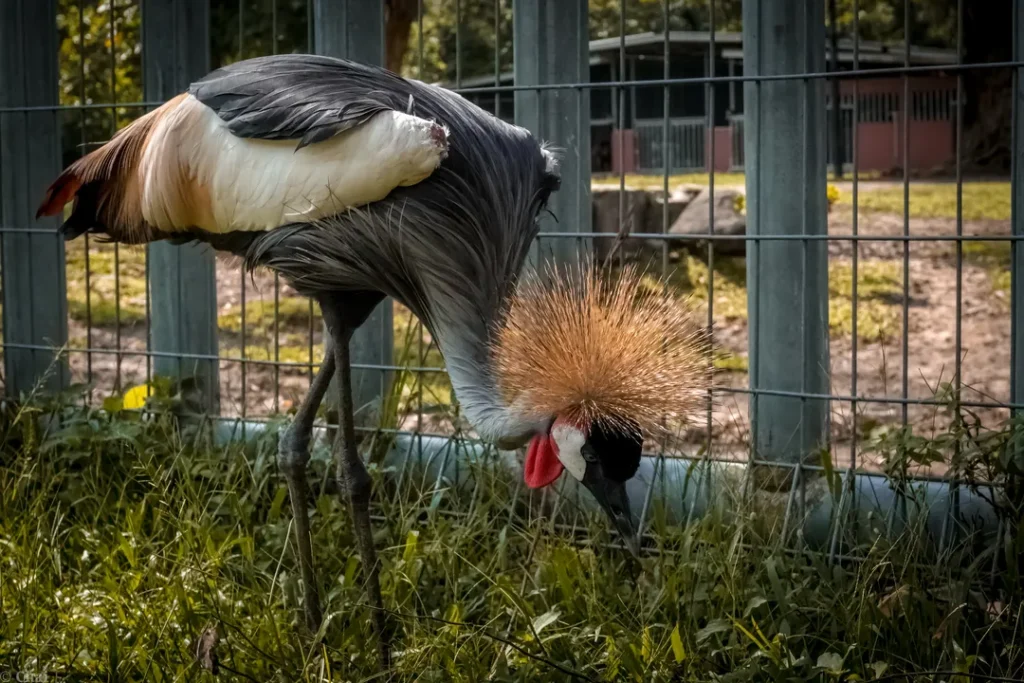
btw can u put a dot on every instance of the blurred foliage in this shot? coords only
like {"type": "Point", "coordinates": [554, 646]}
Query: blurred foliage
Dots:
{"type": "Point", "coordinates": [648, 15]}
{"type": "Point", "coordinates": [100, 62]}
{"type": "Point", "coordinates": [459, 44]}
{"type": "Point", "coordinates": [932, 22]}
{"type": "Point", "coordinates": [242, 29]}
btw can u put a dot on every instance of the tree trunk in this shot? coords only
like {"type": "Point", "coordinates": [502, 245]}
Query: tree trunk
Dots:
{"type": "Point", "coordinates": [399, 15]}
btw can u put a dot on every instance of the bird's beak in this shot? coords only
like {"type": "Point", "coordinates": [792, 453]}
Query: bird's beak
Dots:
{"type": "Point", "coordinates": [612, 497]}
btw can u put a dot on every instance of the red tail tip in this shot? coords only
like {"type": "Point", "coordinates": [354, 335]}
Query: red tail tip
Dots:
{"type": "Point", "coordinates": [59, 194]}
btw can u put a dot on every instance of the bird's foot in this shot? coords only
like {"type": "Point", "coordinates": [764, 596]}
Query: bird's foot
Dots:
{"type": "Point", "coordinates": [355, 482]}
{"type": "Point", "coordinates": [293, 456]}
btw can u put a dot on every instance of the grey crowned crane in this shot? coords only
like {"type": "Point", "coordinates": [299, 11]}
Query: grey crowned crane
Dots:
{"type": "Point", "coordinates": [356, 184]}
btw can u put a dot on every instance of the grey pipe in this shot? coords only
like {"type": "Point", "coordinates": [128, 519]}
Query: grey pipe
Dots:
{"type": "Point", "coordinates": [690, 488]}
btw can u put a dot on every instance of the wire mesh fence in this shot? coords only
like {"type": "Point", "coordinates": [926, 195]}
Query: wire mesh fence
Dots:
{"type": "Point", "coordinates": [844, 311]}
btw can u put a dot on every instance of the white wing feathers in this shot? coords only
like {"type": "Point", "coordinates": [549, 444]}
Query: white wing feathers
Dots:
{"type": "Point", "coordinates": [195, 173]}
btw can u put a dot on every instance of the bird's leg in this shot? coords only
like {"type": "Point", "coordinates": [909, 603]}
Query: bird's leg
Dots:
{"type": "Point", "coordinates": [353, 478]}
{"type": "Point", "coordinates": [293, 455]}
{"type": "Point", "coordinates": [344, 313]}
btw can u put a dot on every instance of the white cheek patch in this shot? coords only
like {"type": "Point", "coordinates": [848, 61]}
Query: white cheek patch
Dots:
{"type": "Point", "coordinates": [570, 445]}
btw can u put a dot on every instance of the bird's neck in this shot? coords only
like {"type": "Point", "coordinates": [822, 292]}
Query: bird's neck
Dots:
{"type": "Point", "coordinates": [470, 366]}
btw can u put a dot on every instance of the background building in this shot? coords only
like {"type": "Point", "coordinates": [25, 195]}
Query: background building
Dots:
{"type": "Point", "coordinates": [627, 126]}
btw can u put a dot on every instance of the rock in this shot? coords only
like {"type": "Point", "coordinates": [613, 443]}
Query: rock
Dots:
{"type": "Point", "coordinates": [687, 191]}
{"type": "Point", "coordinates": [635, 209]}
{"type": "Point", "coordinates": [678, 200]}
{"type": "Point", "coordinates": [642, 213]}
{"type": "Point", "coordinates": [728, 221]}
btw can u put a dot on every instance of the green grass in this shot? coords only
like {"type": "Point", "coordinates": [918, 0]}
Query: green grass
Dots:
{"type": "Point", "coordinates": [730, 362]}
{"type": "Point", "coordinates": [657, 181]}
{"type": "Point", "coordinates": [102, 305]}
{"type": "Point", "coordinates": [994, 257]}
{"type": "Point", "coordinates": [690, 276]}
{"type": "Point", "coordinates": [879, 290]}
{"type": "Point", "coordinates": [124, 539]}
{"type": "Point", "coordinates": [412, 348]}
{"type": "Point", "coordinates": [292, 311]}
{"type": "Point", "coordinates": [293, 319]}
{"type": "Point", "coordinates": [980, 200]}
{"type": "Point", "coordinates": [434, 388]}
{"type": "Point", "coordinates": [294, 348]}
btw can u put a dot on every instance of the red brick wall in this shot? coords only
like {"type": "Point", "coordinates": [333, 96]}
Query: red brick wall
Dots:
{"type": "Point", "coordinates": [876, 146]}
{"type": "Point", "coordinates": [624, 151]}
{"type": "Point", "coordinates": [723, 149]}
{"type": "Point", "coordinates": [880, 143]}
{"type": "Point", "coordinates": [931, 144]}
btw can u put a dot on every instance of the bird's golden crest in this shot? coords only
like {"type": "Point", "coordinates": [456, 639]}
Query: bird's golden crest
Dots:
{"type": "Point", "coordinates": [592, 348]}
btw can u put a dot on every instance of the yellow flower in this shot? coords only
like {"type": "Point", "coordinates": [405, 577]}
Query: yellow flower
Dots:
{"type": "Point", "coordinates": [739, 204]}
{"type": "Point", "coordinates": [135, 397]}
{"type": "Point", "coordinates": [832, 192]}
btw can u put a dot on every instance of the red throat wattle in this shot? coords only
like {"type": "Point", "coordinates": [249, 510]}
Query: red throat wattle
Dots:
{"type": "Point", "coordinates": [542, 463]}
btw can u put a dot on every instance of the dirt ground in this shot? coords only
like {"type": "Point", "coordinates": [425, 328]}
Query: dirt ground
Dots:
{"type": "Point", "coordinates": [248, 388]}
{"type": "Point", "coordinates": [930, 342]}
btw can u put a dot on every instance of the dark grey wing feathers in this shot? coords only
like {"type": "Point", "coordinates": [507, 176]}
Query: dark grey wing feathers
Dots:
{"type": "Point", "coordinates": [308, 98]}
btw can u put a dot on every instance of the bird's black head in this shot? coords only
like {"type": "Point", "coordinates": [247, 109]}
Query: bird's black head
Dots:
{"type": "Point", "coordinates": [550, 179]}
{"type": "Point", "coordinates": [600, 457]}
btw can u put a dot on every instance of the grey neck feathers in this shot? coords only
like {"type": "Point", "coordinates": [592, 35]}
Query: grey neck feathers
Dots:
{"type": "Point", "coordinates": [465, 347]}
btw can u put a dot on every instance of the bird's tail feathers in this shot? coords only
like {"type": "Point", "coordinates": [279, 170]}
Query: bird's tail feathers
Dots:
{"type": "Point", "coordinates": [106, 188]}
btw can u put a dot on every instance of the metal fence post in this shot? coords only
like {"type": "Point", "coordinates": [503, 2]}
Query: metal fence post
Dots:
{"type": "Point", "coordinates": [354, 29]}
{"type": "Point", "coordinates": [836, 111]}
{"type": "Point", "coordinates": [1017, 218]}
{"type": "Point", "coordinates": [550, 46]}
{"type": "Point", "coordinates": [787, 280]}
{"type": "Point", "coordinates": [182, 279]}
{"type": "Point", "coordinates": [34, 291]}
